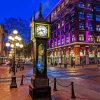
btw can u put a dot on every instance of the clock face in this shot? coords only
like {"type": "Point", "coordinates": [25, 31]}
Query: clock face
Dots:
{"type": "Point", "coordinates": [42, 30]}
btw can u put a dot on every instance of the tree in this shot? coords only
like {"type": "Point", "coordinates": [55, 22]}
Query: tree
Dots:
{"type": "Point", "coordinates": [19, 24]}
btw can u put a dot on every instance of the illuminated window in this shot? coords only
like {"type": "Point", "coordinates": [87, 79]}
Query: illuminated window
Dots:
{"type": "Point", "coordinates": [73, 38]}
{"type": "Point", "coordinates": [98, 38]}
{"type": "Point", "coordinates": [62, 23]}
{"type": "Point", "coordinates": [90, 27]}
{"type": "Point", "coordinates": [81, 37]}
{"type": "Point", "coordinates": [63, 41]}
{"type": "Point", "coordinates": [81, 4]}
{"type": "Point", "coordinates": [66, 1]}
{"type": "Point", "coordinates": [52, 44]}
{"type": "Point", "coordinates": [81, 15]}
{"type": "Point", "coordinates": [98, 28]}
{"type": "Point", "coordinates": [58, 41]}
{"type": "Point", "coordinates": [90, 38]}
{"type": "Point", "coordinates": [97, 17]}
{"type": "Point", "coordinates": [90, 16]}
{"type": "Point", "coordinates": [98, 8]}
{"type": "Point", "coordinates": [81, 25]}
{"type": "Point", "coordinates": [62, 5]}
{"type": "Point", "coordinates": [67, 39]}
{"type": "Point", "coordinates": [58, 26]}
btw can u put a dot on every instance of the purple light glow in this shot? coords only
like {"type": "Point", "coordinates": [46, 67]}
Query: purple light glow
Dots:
{"type": "Point", "coordinates": [69, 37]}
{"type": "Point", "coordinates": [64, 39]}
{"type": "Point", "coordinates": [60, 38]}
{"type": "Point", "coordinates": [87, 34]}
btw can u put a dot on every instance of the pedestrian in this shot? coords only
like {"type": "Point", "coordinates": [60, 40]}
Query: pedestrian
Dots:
{"type": "Point", "coordinates": [74, 63]}
{"type": "Point", "coordinates": [60, 62]}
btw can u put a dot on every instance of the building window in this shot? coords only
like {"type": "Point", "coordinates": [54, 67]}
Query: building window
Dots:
{"type": "Point", "coordinates": [66, 1]}
{"type": "Point", "coordinates": [58, 32]}
{"type": "Point", "coordinates": [55, 43]}
{"type": "Point", "coordinates": [73, 38]}
{"type": "Point", "coordinates": [58, 41]}
{"type": "Point", "coordinates": [58, 26]}
{"type": "Point", "coordinates": [90, 27]}
{"type": "Point", "coordinates": [51, 44]}
{"type": "Point", "coordinates": [98, 8]}
{"type": "Point", "coordinates": [81, 15]}
{"type": "Point", "coordinates": [63, 41]}
{"type": "Point", "coordinates": [67, 19]}
{"type": "Point", "coordinates": [62, 23]}
{"type": "Point", "coordinates": [81, 37]}
{"type": "Point", "coordinates": [58, 8]}
{"type": "Point", "coordinates": [81, 25]}
{"type": "Point", "coordinates": [81, 4]}
{"type": "Point", "coordinates": [67, 39]}
{"type": "Point", "coordinates": [52, 35]}
{"type": "Point", "coordinates": [90, 38]}
{"type": "Point", "coordinates": [98, 38]}
{"type": "Point", "coordinates": [98, 28]}
{"type": "Point", "coordinates": [90, 16]}
{"type": "Point", "coordinates": [62, 5]}
{"type": "Point", "coordinates": [73, 16]}
{"type": "Point", "coordinates": [62, 30]}
{"type": "Point", "coordinates": [97, 17]}
{"type": "Point", "coordinates": [89, 6]}
{"type": "Point", "coordinates": [72, 26]}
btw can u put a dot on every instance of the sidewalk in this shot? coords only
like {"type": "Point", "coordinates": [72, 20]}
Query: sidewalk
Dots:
{"type": "Point", "coordinates": [21, 93]}
{"type": "Point", "coordinates": [85, 89]}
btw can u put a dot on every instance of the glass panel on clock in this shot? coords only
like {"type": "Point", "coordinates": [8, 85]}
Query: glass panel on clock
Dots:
{"type": "Point", "coordinates": [40, 64]}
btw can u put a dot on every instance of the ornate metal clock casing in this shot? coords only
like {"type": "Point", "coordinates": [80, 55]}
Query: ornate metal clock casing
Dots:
{"type": "Point", "coordinates": [40, 32]}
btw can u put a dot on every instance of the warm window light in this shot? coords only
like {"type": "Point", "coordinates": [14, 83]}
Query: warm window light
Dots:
{"type": "Point", "coordinates": [10, 37]}
{"type": "Point", "coordinates": [16, 37]}
{"type": "Point", "coordinates": [15, 32]}
{"type": "Point", "coordinates": [17, 44]}
{"type": "Point", "coordinates": [19, 38]}
{"type": "Point", "coordinates": [7, 44]}
{"type": "Point", "coordinates": [21, 45]}
{"type": "Point", "coordinates": [12, 49]}
{"type": "Point", "coordinates": [10, 55]}
{"type": "Point", "coordinates": [13, 39]}
{"type": "Point", "coordinates": [12, 45]}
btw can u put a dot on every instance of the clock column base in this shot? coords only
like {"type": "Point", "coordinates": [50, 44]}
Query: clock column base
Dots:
{"type": "Point", "coordinates": [40, 89]}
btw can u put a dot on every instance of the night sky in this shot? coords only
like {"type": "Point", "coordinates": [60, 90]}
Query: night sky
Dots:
{"type": "Point", "coordinates": [24, 8]}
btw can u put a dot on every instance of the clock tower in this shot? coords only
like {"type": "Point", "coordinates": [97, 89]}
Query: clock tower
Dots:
{"type": "Point", "coordinates": [40, 33]}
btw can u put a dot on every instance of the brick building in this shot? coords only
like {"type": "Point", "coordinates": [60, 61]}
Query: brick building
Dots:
{"type": "Point", "coordinates": [75, 32]}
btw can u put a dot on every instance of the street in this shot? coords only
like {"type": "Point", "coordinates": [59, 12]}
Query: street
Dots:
{"type": "Point", "coordinates": [86, 83]}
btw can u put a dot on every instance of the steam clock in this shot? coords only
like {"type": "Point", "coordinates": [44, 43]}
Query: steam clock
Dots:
{"type": "Point", "coordinates": [40, 32]}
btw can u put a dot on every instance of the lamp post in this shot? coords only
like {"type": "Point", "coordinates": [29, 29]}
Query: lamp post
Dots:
{"type": "Point", "coordinates": [14, 41]}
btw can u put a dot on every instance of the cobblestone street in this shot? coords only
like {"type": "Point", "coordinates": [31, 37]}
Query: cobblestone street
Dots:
{"type": "Point", "coordinates": [86, 82]}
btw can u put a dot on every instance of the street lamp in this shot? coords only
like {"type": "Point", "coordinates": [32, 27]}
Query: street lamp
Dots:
{"type": "Point", "coordinates": [14, 41]}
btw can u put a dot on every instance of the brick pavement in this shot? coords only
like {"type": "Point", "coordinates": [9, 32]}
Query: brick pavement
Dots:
{"type": "Point", "coordinates": [85, 89]}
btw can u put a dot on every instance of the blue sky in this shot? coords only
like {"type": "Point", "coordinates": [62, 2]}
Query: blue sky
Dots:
{"type": "Point", "coordinates": [24, 8]}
